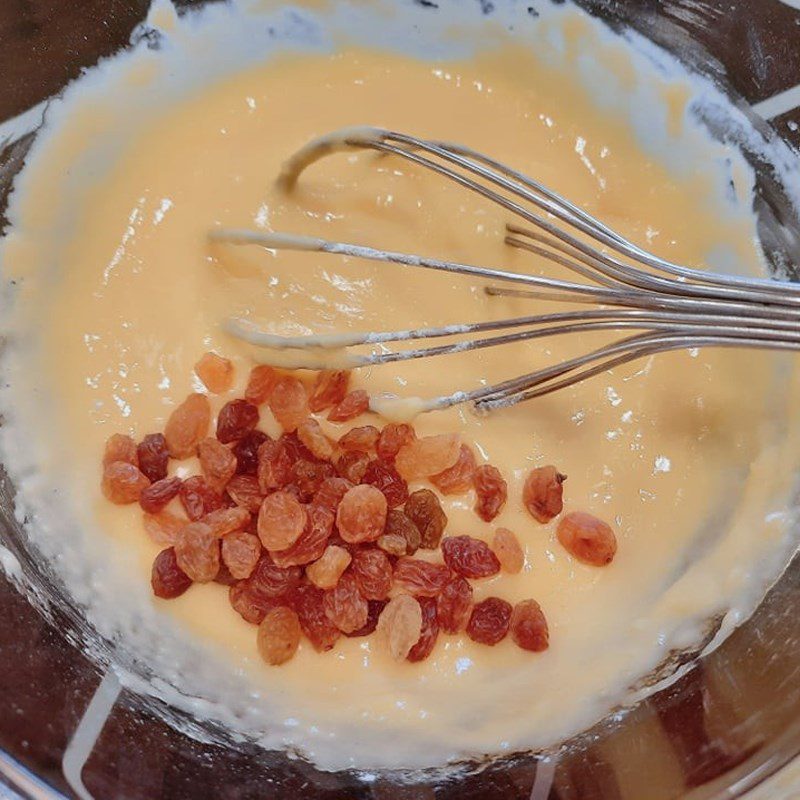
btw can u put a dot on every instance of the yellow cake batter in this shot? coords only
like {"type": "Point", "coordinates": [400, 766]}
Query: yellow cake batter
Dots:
{"type": "Point", "coordinates": [673, 451]}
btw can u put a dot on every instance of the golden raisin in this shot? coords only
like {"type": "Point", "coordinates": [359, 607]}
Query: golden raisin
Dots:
{"type": "Point", "coordinates": [361, 515]}
{"type": "Point", "coordinates": [289, 403]}
{"type": "Point", "coordinates": [393, 543]}
{"type": "Point", "coordinates": [374, 609]}
{"type": "Point", "coordinates": [420, 578]}
{"type": "Point", "coordinates": [155, 496]}
{"type": "Point", "coordinates": [400, 625]}
{"type": "Point", "coordinates": [429, 632]}
{"type": "Point", "coordinates": [491, 492]}
{"type": "Point", "coordinates": [309, 601]}
{"type": "Point", "coordinates": [392, 438]}
{"type": "Point", "coordinates": [345, 606]}
{"type": "Point", "coordinates": [270, 580]}
{"type": "Point", "coordinates": [543, 493]}
{"type": "Point", "coordinates": [198, 498]}
{"type": "Point", "coordinates": [331, 492]}
{"type": "Point", "coordinates": [352, 466]}
{"type": "Point", "coordinates": [311, 543]}
{"type": "Point", "coordinates": [226, 520]}
{"type": "Point", "coordinates": [373, 573]}
{"type": "Point", "coordinates": [469, 557]}
{"type": "Point", "coordinates": [120, 448]}
{"type": "Point", "coordinates": [281, 520]}
{"type": "Point", "coordinates": [308, 477]}
{"type": "Point", "coordinates": [217, 462]}
{"type": "Point", "coordinates": [197, 552]}
{"type": "Point", "coordinates": [123, 483]}
{"type": "Point", "coordinates": [400, 525]}
{"type": "Point", "coordinates": [163, 527]}
{"type": "Point", "coordinates": [240, 553]}
{"type": "Point", "coordinates": [425, 510]}
{"type": "Point", "coordinates": [274, 466]}
{"type": "Point", "coordinates": [458, 478]}
{"type": "Point", "coordinates": [508, 550]}
{"type": "Point", "coordinates": [587, 538]}
{"type": "Point", "coordinates": [529, 626]}
{"type": "Point", "coordinates": [489, 621]}
{"type": "Point", "coordinates": [251, 604]}
{"type": "Point", "coordinates": [382, 475]}
{"type": "Point", "coordinates": [245, 492]}
{"type": "Point", "coordinates": [260, 385]}
{"type": "Point", "coordinates": [215, 372]}
{"type": "Point", "coordinates": [312, 436]}
{"type": "Point", "coordinates": [430, 455]}
{"type": "Point", "coordinates": [352, 406]}
{"type": "Point", "coordinates": [187, 426]}
{"type": "Point", "coordinates": [330, 388]}
{"type": "Point", "coordinates": [364, 438]}
{"type": "Point", "coordinates": [326, 570]}
{"type": "Point", "coordinates": [454, 605]}
{"type": "Point", "coordinates": [278, 635]}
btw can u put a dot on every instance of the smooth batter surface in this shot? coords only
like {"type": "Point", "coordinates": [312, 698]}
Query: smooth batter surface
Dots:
{"type": "Point", "coordinates": [686, 454]}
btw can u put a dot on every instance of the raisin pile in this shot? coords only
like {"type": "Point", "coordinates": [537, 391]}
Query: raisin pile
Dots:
{"type": "Point", "coordinates": [318, 536]}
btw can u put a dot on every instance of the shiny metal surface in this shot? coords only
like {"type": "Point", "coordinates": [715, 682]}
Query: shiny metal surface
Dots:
{"type": "Point", "coordinates": [731, 718]}
{"type": "Point", "coordinates": [674, 306]}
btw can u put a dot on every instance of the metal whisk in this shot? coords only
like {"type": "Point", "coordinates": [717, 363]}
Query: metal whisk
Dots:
{"type": "Point", "coordinates": [668, 306]}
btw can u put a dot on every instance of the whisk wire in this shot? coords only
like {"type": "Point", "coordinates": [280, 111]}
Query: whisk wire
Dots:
{"type": "Point", "coordinates": [552, 203]}
{"type": "Point", "coordinates": [671, 306]}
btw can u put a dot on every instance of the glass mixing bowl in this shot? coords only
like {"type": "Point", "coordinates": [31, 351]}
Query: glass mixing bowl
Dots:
{"type": "Point", "coordinates": [729, 721]}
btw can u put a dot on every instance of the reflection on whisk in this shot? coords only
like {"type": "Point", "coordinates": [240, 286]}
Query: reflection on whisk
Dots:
{"type": "Point", "coordinates": [668, 306]}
